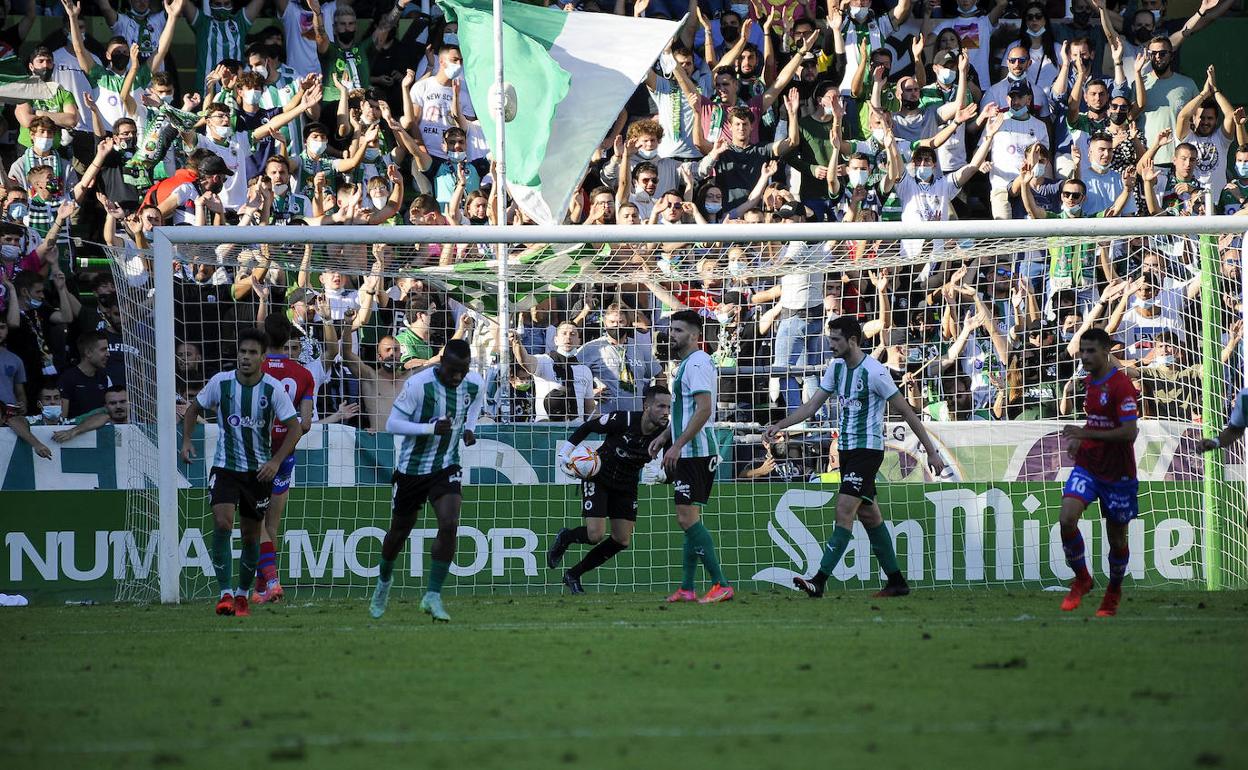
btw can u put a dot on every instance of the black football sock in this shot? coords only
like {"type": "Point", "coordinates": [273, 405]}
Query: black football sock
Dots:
{"type": "Point", "coordinates": [598, 556]}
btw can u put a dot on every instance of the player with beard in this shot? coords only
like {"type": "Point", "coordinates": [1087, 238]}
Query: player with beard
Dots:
{"type": "Point", "coordinates": [612, 493]}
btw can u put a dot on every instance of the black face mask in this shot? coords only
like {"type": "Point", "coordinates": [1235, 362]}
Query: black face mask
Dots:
{"type": "Point", "coordinates": [1143, 35]}
{"type": "Point", "coordinates": [43, 74]}
{"type": "Point", "coordinates": [621, 334]}
{"type": "Point", "coordinates": [119, 60]}
{"type": "Point", "coordinates": [1118, 118]}
{"type": "Point", "coordinates": [1081, 18]}
{"type": "Point", "coordinates": [478, 220]}
{"type": "Point", "coordinates": [730, 34]}
{"type": "Point", "coordinates": [390, 365]}
{"type": "Point", "coordinates": [909, 104]}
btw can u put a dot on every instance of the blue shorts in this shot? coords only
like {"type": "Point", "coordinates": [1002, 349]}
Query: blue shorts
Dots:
{"type": "Point", "coordinates": [1119, 499]}
{"type": "Point", "coordinates": [285, 477]}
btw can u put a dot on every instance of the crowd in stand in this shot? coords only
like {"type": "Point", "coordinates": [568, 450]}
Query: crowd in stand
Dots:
{"type": "Point", "coordinates": [302, 113]}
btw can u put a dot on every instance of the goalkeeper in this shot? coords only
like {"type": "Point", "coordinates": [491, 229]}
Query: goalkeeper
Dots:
{"type": "Point", "coordinates": [612, 492]}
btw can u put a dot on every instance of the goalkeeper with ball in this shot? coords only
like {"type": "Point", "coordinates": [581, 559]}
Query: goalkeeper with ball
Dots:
{"type": "Point", "coordinates": [611, 493]}
{"type": "Point", "coordinates": [865, 389]}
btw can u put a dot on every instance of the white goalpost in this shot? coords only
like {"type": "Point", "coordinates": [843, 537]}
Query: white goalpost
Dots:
{"type": "Point", "coordinates": [963, 313]}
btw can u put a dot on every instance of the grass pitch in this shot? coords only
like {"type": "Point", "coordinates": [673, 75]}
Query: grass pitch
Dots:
{"type": "Point", "coordinates": [771, 680]}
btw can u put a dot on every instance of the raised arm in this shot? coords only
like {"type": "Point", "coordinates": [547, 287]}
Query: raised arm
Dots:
{"type": "Point", "coordinates": [172, 9]}
{"type": "Point", "coordinates": [72, 11]}
{"type": "Point", "coordinates": [786, 74]}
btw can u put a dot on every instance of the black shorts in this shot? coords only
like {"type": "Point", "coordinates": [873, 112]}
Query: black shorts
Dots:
{"type": "Point", "coordinates": [858, 470]}
{"type": "Point", "coordinates": [241, 489]}
{"type": "Point", "coordinates": [692, 481]}
{"type": "Point", "coordinates": [411, 492]}
{"type": "Point", "coordinates": [599, 501]}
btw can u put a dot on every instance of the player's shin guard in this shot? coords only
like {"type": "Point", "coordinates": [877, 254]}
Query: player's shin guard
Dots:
{"type": "Point", "coordinates": [579, 535]}
{"type": "Point", "coordinates": [689, 562]}
{"type": "Point", "coordinates": [247, 566]}
{"type": "Point", "coordinates": [1072, 545]}
{"type": "Point", "coordinates": [268, 563]}
{"type": "Point", "coordinates": [704, 549]}
{"type": "Point", "coordinates": [222, 558]}
{"type": "Point", "coordinates": [882, 547]}
{"type": "Point", "coordinates": [437, 575]}
{"type": "Point", "coordinates": [597, 556]}
{"type": "Point", "coordinates": [1118, 567]}
{"type": "Point", "coordinates": [832, 553]}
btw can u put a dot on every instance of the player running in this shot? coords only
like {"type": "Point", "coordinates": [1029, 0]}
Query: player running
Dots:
{"type": "Point", "coordinates": [299, 385]}
{"type": "Point", "coordinates": [691, 460]}
{"type": "Point", "coordinates": [864, 388]}
{"type": "Point", "coordinates": [437, 408]}
{"type": "Point", "coordinates": [1235, 425]}
{"type": "Point", "coordinates": [612, 493]}
{"type": "Point", "coordinates": [247, 402]}
{"type": "Point", "coordinates": [1104, 455]}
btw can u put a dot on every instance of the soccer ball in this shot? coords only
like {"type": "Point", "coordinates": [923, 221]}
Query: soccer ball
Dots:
{"type": "Point", "coordinates": [509, 104]}
{"type": "Point", "coordinates": [584, 463]}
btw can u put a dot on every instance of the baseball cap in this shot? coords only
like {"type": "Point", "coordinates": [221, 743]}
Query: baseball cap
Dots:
{"type": "Point", "coordinates": [946, 59]}
{"type": "Point", "coordinates": [1021, 88]}
{"type": "Point", "coordinates": [214, 164]}
{"type": "Point", "coordinates": [793, 209]}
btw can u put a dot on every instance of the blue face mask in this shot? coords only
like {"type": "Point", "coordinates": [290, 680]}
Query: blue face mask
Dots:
{"type": "Point", "coordinates": [924, 173]}
{"type": "Point", "coordinates": [1020, 113]}
{"type": "Point", "coordinates": [1241, 169]}
{"type": "Point", "coordinates": [947, 77]}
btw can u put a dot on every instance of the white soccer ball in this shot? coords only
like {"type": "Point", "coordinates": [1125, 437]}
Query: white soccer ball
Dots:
{"type": "Point", "coordinates": [584, 463]}
{"type": "Point", "coordinates": [509, 103]}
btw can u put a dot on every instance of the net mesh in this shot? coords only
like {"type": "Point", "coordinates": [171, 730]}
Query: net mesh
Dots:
{"type": "Point", "coordinates": [979, 334]}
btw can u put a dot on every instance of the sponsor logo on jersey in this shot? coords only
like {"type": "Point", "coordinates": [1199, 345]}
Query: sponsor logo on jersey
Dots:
{"type": "Point", "coordinates": [681, 487]}
{"type": "Point", "coordinates": [234, 421]}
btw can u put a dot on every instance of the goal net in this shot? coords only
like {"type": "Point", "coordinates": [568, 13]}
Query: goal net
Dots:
{"type": "Point", "coordinates": [977, 322]}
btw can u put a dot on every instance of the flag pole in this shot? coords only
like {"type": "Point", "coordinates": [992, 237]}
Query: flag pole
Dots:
{"type": "Point", "coordinates": [500, 191]}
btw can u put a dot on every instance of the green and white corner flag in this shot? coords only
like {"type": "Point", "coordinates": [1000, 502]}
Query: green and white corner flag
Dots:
{"type": "Point", "coordinates": [572, 73]}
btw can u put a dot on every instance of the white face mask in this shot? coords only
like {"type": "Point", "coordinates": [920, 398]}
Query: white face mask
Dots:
{"type": "Point", "coordinates": [10, 252]}
{"type": "Point", "coordinates": [223, 132]}
{"type": "Point", "coordinates": [452, 71]}
{"type": "Point", "coordinates": [858, 177]}
{"type": "Point", "coordinates": [1041, 169]}
{"type": "Point", "coordinates": [1015, 78]}
{"type": "Point", "coordinates": [947, 77]}
{"type": "Point", "coordinates": [647, 154]}
{"type": "Point", "coordinates": [35, 304]}
{"type": "Point", "coordinates": [1097, 167]}
{"type": "Point", "coordinates": [457, 156]}
{"type": "Point", "coordinates": [42, 144]}
{"type": "Point", "coordinates": [859, 14]}
{"type": "Point", "coordinates": [379, 201]}
{"type": "Point", "coordinates": [167, 98]}
{"type": "Point", "coordinates": [565, 350]}
{"type": "Point", "coordinates": [51, 412]}
{"type": "Point", "coordinates": [878, 135]}
{"type": "Point", "coordinates": [827, 111]}
{"type": "Point", "coordinates": [261, 70]}
{"type": "Point", "coordinates": [315, 148]}
{"type": "Point", "coordinates": [280, 189]}
{"type": "Point", "coordinates": [251, 97]}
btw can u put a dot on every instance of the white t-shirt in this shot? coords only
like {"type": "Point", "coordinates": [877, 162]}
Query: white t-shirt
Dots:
{"type": "Point", "coordinates": [1009, 145]}
{"type": "Point", "coordinates": [1138, 333]}
{"type": "Point", "coordinates": [234, 194]}
{"type": "Point", "coordinates": [975, 33]}
{"type": "Point", "coordinates": [129, 28]}
{"type": "Point", "coordinates": [297, 32]}
{"type": "Point", "coordinates": [1211, 154]}
{"type": "Point", "coordinates": [70, 76]}
{"type": "Point", "coordinates": [925, 203]}
{"type": "Point", "coordinates": [434, 101]}
{"type": "Point", "coordinates": [546, 379]}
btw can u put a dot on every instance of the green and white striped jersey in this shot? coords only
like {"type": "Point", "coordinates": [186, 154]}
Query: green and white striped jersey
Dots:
{"type": "Point", "coordinates": [694, 375]}
{"type": "Point", "coordinates": [863, 392]}
{"type": "Point", "coordinates": [1239, 410]}
{"type": "Point", "coordinates": [245, 415]}
{"type": "Point", "coordinates": [424, 400]}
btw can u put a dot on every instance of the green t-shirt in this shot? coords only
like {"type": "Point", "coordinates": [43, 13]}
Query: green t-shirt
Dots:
{"type": "Point", "coordinates": [411, 346]}
{"type": "Point", "coordinates": [814, 150]}
{"type": "Point", "coordinates": [1072, 266]}
{"type": "Point", "coordinates": [351, 64]}
{"type": "Point", "coordinates": [57, 103]}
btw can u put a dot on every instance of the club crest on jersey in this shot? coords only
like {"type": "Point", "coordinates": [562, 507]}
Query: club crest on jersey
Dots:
{"type": "Point", "coordinates": [1104, 398]}
{"type": "Point", "coordinates": [264, 402]}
